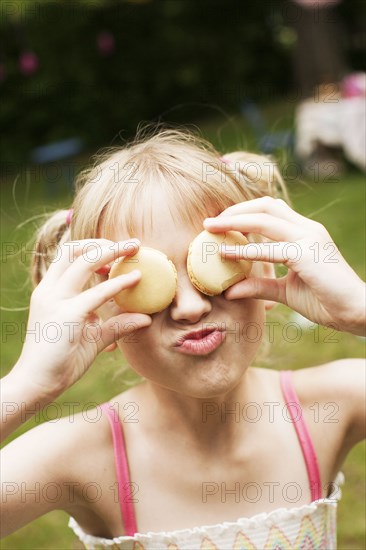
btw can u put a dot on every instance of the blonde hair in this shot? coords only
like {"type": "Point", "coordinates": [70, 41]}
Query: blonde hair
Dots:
{"type": "Point", "coordinates": [197, 179]}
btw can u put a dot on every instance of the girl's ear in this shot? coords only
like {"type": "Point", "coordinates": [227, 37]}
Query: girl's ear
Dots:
{"type": "Point", "coordinates": [268, 271]}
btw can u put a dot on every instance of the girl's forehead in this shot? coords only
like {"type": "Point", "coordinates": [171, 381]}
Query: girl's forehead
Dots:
{"type": "Point", "coordinates": [160, 226]}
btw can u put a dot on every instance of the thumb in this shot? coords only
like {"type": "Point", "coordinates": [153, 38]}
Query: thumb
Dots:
{"type": "Point", "coordinates": [258, 287]}
{"type": "Point", "coordinates": [111, 347]}
{"type": "Point", "coordinates": [116, 327]}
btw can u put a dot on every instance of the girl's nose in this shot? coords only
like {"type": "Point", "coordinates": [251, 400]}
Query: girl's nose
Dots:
{"type": "Point", "coordinates": [189, 303]}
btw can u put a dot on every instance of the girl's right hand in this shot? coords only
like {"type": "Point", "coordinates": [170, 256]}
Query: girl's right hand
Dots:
{"type": "Point", "coordinates": [64, 335]}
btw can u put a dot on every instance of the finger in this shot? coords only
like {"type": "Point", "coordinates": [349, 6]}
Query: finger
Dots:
{"type": "Point", "coordinates": [111, 347]}
{"type": "Point", "coordinates": [95, 258]}
{"type": "Point", "coordinates": [119, 326]}
{"type": "Point", "coordinates": [67, 253]}
{"type": "Point", "coordinates": [284, 253]}
{"type": "Point", "coordinates": [265, 205]}
{"type": "Point", "coordinates": [104, 270]}
{"type": "Point", "coordinates": [264, 224]}
{"type": "Point", "coordinates": [96, 296]}
{"type": "Point", "coordinates": [261, 288]}
{"type": "Point", "coordinates": [270, 305]}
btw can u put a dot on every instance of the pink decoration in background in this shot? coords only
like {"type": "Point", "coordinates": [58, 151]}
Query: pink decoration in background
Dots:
{"type": "Point", "coordinates": [317, 3]}
{"type": "Point", "coordinates": [28, 63]}
{"type": "Point", "coordinates": [354, 85]}
{"type": "Point", "coordinates": [106, 43]}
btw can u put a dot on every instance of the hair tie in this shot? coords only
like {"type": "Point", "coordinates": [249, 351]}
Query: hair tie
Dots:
{"type": "Point", "coordinates": [69, 216]}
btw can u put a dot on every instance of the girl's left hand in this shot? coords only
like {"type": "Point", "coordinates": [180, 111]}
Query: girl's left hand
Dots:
{"type": "Point", "coordinates": [319, 283]}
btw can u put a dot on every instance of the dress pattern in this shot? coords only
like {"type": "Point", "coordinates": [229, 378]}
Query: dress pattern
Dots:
{"type": "Point", "coordinates": [308, 527]}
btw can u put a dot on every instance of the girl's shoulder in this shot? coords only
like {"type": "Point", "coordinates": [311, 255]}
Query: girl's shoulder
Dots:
{"type": "Point", "coordinates": [83, 444]}
{"type": "Point", "coordinates": [333, 407]}
{"type": "Point", "coordinates": [342, 381]}
{"type": "Point", "coordinates": [331, 395]}
{"type": "Point", "coordinates": [69, 454]}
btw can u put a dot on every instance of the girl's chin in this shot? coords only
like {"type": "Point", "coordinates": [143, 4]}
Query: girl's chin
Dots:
{"type": "Point", "coordinates": [210, 383]}
{"type": "Point", "coordinates": [200, 377]}
{"type": "Point", "coordinates": [205, 393]}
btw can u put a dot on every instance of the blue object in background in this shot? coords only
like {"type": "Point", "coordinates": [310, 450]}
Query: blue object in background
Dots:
{"type": "Point", "coordinates": [268, 142]}
{"type": "Point", "coordinates": [57, 151]}
{"type": "Point", "coordinates": [56, 160]}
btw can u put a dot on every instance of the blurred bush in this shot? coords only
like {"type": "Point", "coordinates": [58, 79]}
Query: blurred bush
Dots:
{"type": "Point", "coordinates": [103, 66]}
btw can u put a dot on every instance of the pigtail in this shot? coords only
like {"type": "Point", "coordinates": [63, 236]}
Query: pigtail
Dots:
{"type": "Point", "coordinates": [259, 174]}
{"type": "Point", "coordinates": [54, 232]}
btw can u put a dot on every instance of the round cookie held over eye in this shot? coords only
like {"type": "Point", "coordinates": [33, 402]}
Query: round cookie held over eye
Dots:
{"type": "Point", "coordinates": [158, 284]}
{"type": "Point", "coordinates": [210, 272]}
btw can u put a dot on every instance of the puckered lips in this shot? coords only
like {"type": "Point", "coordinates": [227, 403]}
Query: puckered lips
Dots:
{"type": "Point", "coordinates": [201, 341]}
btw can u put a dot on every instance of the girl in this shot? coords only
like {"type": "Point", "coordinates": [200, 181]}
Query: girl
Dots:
{"type": "Point", "coordinates": [192, 468]}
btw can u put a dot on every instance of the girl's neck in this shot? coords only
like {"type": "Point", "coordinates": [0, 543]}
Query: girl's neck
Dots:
{"type": "Point", "coordinates": [212, 422]}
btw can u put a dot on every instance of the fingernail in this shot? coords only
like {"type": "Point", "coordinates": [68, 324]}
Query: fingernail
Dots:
{"type": "Point", "coordinates": [209, 221]}
{"type": "Point", "coordinates": [128, 242]}
{"type": "Point", "coordinates": [103, 270]}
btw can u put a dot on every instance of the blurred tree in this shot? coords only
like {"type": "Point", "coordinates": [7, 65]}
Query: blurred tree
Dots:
{"type": "Point", "coordinates": [319, 55]}
{"type": "Point", "coordinates": [172, 60]}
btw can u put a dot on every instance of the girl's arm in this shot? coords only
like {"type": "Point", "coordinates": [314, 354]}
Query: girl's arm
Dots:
{"type": "Point", "coordinates": [20, 400]}
{"type": "Point", "coordinates": [45, 469]}
{"type": "Point", "coordinates": [319, 284]}
{"type": "Point", "coordinates": [69, 333]}
{"type": "Point", "coordinates": [41, 470]}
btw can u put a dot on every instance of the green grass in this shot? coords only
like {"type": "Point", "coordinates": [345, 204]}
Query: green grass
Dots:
{"type": "Point", "coordinates": [339, 205]}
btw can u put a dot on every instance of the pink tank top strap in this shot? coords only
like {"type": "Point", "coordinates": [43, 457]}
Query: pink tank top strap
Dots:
{"type": "Point", "coordinates": [122, 470]}
{"type": "Point", "coordinates": [295, 411]}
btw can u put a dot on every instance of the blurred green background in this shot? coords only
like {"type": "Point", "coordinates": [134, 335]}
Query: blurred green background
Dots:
{"type": "Point", "coordinates": [100, 68]}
